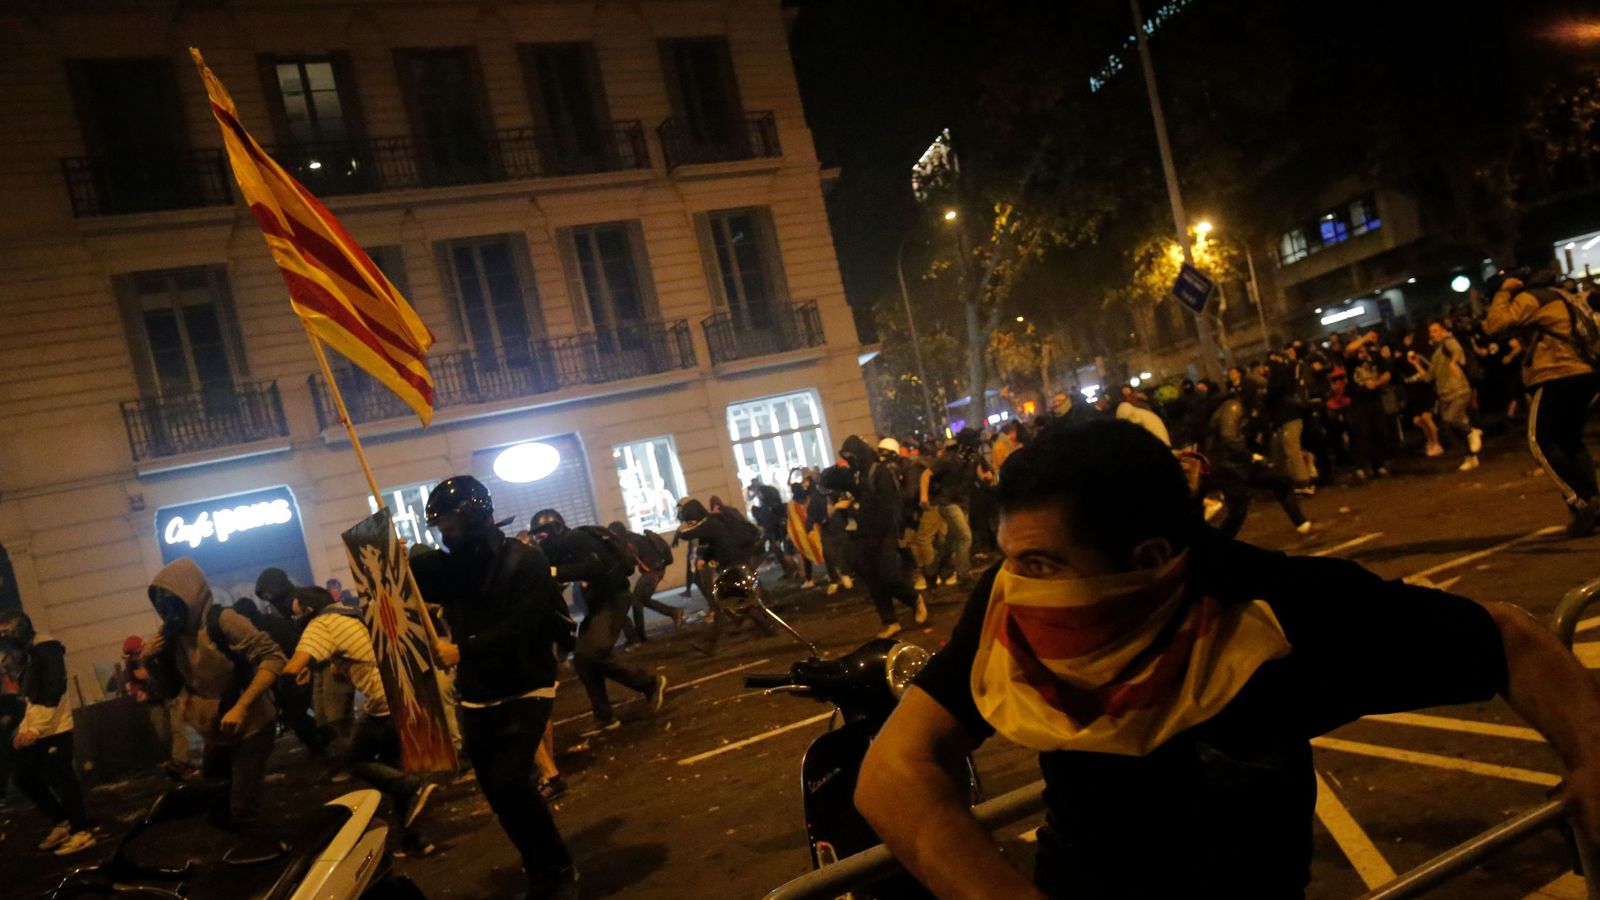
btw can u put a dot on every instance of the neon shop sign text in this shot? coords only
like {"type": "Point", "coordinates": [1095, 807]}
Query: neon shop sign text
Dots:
{"type": "Point", "coordinates": [222, 524]}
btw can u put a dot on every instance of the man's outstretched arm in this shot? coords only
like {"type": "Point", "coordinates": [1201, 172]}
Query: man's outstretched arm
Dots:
{"type": "Point", "coordinates": [1547, 685]}
{"type": "Point", "coordinates": [912, 790]}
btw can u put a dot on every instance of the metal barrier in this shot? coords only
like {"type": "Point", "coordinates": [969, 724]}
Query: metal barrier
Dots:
{"type": "Point", "coordinates": [1007, 809]}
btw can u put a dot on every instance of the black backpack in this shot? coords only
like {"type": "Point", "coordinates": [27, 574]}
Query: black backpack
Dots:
{"type": "Point", "coordinates": [746, 532]}
{"type": "Point", "coordinates": [621, 555]}
{"type": "Point", "coordinates": [660, 550]}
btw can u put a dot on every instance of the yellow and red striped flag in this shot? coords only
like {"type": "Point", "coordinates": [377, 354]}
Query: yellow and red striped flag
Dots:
{"type": "Point", "coordinates": [334, 286]}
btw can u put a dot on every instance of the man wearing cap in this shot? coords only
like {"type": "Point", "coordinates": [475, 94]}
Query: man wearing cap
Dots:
{"type": "Point", "coordinates": [1171, 682]}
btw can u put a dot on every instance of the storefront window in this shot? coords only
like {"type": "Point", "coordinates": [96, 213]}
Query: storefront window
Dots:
{"type": "Point", "coordinates": [233, 538]}
{"type": "Point", "coordinates": [547, 473]}
{"type": "Point", "coordinates": [776, 435]}
{"type": "Point", "coordinates": [408, 504]}
{"type": "Point", "coordinates": [652, 483]}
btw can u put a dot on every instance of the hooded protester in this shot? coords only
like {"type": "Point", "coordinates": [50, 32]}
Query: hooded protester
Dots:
{"type": "Point", "coordinates": [878, 530]}
{"type": "Point", "coordinates": [223, 667]}
{"type": "Point", "coordinates": [44, 771]}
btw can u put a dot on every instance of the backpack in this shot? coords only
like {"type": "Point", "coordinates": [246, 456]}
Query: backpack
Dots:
{"type": "Point", "coordinates": [660, 550]}
{"type": "Point", "coordinates": [243, 671]}
{"type": "Point", "coordinates": [622, 556]}
{"type": "Point", "coordinates": [746, 532]}
{"type": "Point", "coordinates": [1585, 337]}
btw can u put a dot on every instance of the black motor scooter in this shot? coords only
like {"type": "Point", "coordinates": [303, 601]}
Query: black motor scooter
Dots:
{"type": "Point", "coordinates": [865, 686]}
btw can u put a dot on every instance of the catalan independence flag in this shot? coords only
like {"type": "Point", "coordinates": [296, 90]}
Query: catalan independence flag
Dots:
{"type": "Point", "coordinates": [334, 286]}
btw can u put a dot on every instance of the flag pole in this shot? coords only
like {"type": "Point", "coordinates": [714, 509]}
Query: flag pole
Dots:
{"type": "Point", "coordinates": [366, 469]}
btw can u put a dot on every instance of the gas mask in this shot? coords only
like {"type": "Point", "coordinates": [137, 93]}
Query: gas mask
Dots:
{"type": "Point", "coordinates": [172, 610]}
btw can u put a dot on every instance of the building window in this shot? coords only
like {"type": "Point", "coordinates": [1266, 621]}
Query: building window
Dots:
{"type": "Point", "coordinates": [611, 281]}
{"type": "Point", "coordinates": [744, 263]}
{"type": "Point", "coordinates": [180, 323]}
{"type": "Point", "coordinates": [489, 274]}
{"type": "Point", "coordinates": [1293, 247]}
{"type": "Point", "coordinates": [309, 92]}
{"type": "Point", "coordinates": [565, 486]}
{"type": "Point", "coordinates": [704, 95]}
{"type": "Point", "coordinates": [449, 114]}
{"type": "Point", "coordinates": [408, 505]}
{"type": "Point", "coordinates": [1364, 215]}
{"type": "Point", "coordinates": [568, 98]}
{"type": "Point", "coordinates": [652, 483]}
{"type": "Point", "coordinates": [774, 436]}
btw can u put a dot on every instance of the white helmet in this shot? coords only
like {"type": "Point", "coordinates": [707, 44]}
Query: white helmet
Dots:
{"type": "Point", "coordinates": [889, 444]}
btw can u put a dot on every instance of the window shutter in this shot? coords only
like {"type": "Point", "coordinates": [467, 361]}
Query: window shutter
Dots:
{"type": "Point", "coordinates": [671, 75]}
{"type": "Point", "coordinates": [452, 289]}
{"type": "Point", "coordinates": [527, 284]}
{"type": "Point", "coordinates": [269, 84]}
{"type": "Point", "coordinates": [133, 329]}
{"type": "Point", "coordinates": [528, 55]}
{"type": "Point", "coordinates": [222, 297]}
{"type": "Point", "coordinates": [771, 253]}
{"type": "Point", "coordinates": [597, 86]}
{"type": "Point", "coordinates": [344, 80]}
{"type": "Point", "coordinates": [566, 243]}
{"type": "Point", "coordinates": [642, 272]}
{"type": "Point", "coordinates": [708, 260]}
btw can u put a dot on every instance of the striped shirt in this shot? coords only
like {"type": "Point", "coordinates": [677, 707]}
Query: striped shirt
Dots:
{"type": "Point", "coordinates": [342, 639]}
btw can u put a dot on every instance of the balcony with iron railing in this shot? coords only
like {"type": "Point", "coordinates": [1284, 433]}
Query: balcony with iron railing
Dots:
{"type": "Point", "coordinates": [110, 185]}
{"type": "Point", "coordinates": [772, 328]}
{"type": "Point", "coordinates": [747, 136]}
{"type": "Point", "coordinates": [402, 163]}
{"type": "Point", "coordinates": [542, 366]}
{"type": "Point", "coordinates": [212, 418]}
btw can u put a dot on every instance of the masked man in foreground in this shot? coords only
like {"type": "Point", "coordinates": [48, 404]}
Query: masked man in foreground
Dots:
{"type": "Point", "coordinates": [1172, 681]}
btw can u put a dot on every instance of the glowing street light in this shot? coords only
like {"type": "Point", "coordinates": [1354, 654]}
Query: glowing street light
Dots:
{"type": "Point", "coordinates": [1203, 227]}
{"type": "Point", "coordinates": [951, 215]}
{"type": "Point", "coordinates": [1460, 284]}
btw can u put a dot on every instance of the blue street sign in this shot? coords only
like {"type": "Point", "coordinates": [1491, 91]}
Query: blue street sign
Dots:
{"type": "Point", "coordinates": [1193, 288]}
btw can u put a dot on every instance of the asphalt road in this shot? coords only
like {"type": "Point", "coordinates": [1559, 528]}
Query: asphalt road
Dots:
{"type": "Point", "coordinates": [655, 811]}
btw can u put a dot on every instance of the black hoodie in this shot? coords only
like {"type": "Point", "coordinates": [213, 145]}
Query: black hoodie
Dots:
{"type": "Point", "coordinates": [879, 518]}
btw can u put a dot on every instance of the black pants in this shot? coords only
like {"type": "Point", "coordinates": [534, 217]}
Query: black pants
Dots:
{"type": "Point", "coordinates": [1369, 435]}
{"type": "Point", "coordinates": [294, 711]}
{"type": "Point", "coordinates": [44, 774]}
{"type": "Point", "coordinates": [885, 578]}
{"type": "Point", "coordinates": [642, 598]}
{"type": "Point", "coordinates": [1235, 480]}
{"type": "Point", "coordinates": [374, 757]}
{"type": "Point", "coordinates": [1555, 435]}
{"type": "Point", "coordinates": [243, 764]}
{"type": "Point", "coordinates": [594, 658]}
{"type": "Point", "coordinates": [836, 553]}
{"type": "Point", "coordinates": [500, 742]}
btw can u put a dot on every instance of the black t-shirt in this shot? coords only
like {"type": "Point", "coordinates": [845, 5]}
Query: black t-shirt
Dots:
{"type": "Point", "coordinates": [1225, 808]}
{"type": "Point", "coordinates": [954, 475]}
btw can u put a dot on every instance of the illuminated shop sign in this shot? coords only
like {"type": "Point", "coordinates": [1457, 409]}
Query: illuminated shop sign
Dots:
{"type": "Point", "coordinates": [226, 521]}
{"type": "Point", "coordinates": [234, 537]}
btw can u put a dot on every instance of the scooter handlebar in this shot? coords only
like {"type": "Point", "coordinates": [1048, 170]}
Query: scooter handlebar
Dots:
{"type": "Point", "coordinates": [767, 681]}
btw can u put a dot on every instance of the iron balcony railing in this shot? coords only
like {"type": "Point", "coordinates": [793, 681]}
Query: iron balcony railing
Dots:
{"type": "Point", "coordinates": [398, 163]}
{"type": "Point", "coordinates": [107, 185]}
{"type": "Point", "coordinates": [469, 377]}
{"type": "Point", "coordinates": [211, 418]}
{"type": "Point", "coordinates": [749, 332]}
{"type": "Point", "coordinates": [685, 141]}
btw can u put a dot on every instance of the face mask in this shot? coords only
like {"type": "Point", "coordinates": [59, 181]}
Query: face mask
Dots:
{"type": "Point", "coordinates": [174, 613]}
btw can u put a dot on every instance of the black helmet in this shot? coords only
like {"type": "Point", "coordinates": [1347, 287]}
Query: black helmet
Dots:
{"type": "Point", "coordinates": [460, 494]}
{"type": "Point", "coordinates": [547, 522]}
{"type": "Point", "coordinates": [737, 583]}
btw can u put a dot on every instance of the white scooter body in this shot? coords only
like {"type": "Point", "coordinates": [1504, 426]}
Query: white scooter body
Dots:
{"type": "Point", "coordinates": [346, 867]}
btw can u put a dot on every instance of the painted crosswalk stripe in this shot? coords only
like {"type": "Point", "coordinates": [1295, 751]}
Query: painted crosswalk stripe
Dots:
{"type": "Point", "coordinates": [1468, 726]}
{"type": "Point", "coordinates": [1434, 760]}
{"type": "Point", "coordinates": [1348, 545]}
{"type": "Point", "coordinates": [737, 745]}
{"type": "Point", "coordinates": [678, 687]}
{"type": "Point", "coordinates": [1348, 834]}
{"type": "Point", "coordinates": [1487, 551]}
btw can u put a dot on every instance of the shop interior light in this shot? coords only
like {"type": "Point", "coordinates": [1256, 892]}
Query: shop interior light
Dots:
{"type": "Point", "coordinates": [1411, 280]}
{"type": "Point", "coordinates": [1460, 284]}
{"type": "Point", "coordinates": [1343, 314]}
{"type": "Point", "coordinates": [1589, 244]}
{"type": "Point", "coordinates": [523, 463]}
{"type": "Point", "coordinates": [1145, 375]}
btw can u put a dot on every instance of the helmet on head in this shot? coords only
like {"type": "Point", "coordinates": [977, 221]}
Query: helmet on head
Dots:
{"type": "Point", "coordinates": [890, 445]}
{"type": "Point", "coordinates": [461, 494]}
{"type": "Point", "coordinates": [547, 523]}
{"type": "Point", "coordinates": [737, 583]}
{"type": "Point", "coordinates": [20, 632]}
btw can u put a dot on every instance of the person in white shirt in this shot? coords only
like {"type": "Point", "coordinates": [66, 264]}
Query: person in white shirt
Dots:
{"type": "Point", "coordinates": [1132, 409]}
{"type": "Point", "coordinates": [336, 634]}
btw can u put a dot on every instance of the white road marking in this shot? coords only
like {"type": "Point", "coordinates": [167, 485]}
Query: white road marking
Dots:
{"type": "Point", "coordinates": [1347, 833]}
{"type": "Point", "coordinates": [1586, 624]}
{"type": "Point", "coordinates": [1353, 542]}
{"type": "Point", "coordinates": [1488, 551]}
{"type": "Point", "coordinates": [1588, 653]}
{"type": "Point", "coordinates": [1446, 723]}
{"type": "Point", "coordinates": [1419, 581]}
{"type": "Point", "coordinates": [1434, 760]}
{"type": "Point", "coordinates": [736, 745]}
{"type": "Point", "coordinates": [677, 687]}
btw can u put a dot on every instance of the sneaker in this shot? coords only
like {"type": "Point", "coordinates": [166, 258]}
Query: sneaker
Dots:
{"type": "Point", "coordinates": [847, 582]}
{"type": "Point", "coordinates": [1305, 527]}
{"type": "Point", "coordinates": [657, 694]}
{"type": "Point", "coordinates": [553, 788]}
{"type": "Point", "coordinates": [78, 840]}
{"type": "Point", "coordinates": [807, 585]}
{"type": "Point", "coordinates": [1583, 520]}
{"type": "Point", "coordinates": [677, 618]}
{"type": "Point", "coordinates": [413, 845]}
{"type": "Point", "coordinates": [921, 615]}
{"type": "Point", "coordinates": [554, 884]}
{"type": "Point", "coordinates": [1306, 490]}
{"type": "Point", "coordinates": [1383, 471]}
{"type": "Point", "coordinates": [919, 583]}
{"type": "Point", "coordinates": [1475, 441]}
{"type": "Point", "coordinates": [57, 836]}
{"type": "Point", "coordinates": [890, 630]}
{"type": "Point", "coordinates": [1468, 464]}
{"type": "Point", "coordinates": [947, 581]}
{"type": "Point", "coordinates": [339, 777]}
{"type": "Point", "coordinates": [418, 801]}
{"type": "Point", "coordinates": [607, 724]}
{"type": "Point", "coordinates": [1434, 450]}
{"type": "Point", "coordinates": [833, 588]}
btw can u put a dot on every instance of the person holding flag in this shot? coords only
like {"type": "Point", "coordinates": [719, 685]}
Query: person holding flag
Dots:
{"type": "Point", "coordinates": [804, 534]}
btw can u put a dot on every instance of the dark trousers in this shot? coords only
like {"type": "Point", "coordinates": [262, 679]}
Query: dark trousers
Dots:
{"type": "Point", "coordinates": [1235, 482]}
{"type": "Point", "coordinates": [294, 711]}
{"type": "Point", "coordinates": [836, 553]}
{"type": "Point", "coordinates": [1369, 435]}
{"type": "Point", "coordinates": [885, 578]}
{"type": "Point", "coordinates": [243, 764]}
{"type": "Point", "coordinates": [642, 598]}
{"type": "Point", "coordinates": [374, 757]}
{"type": "Point", "coordinates": [594, 658]}
{"type": "Point", "coordinates": [1555, 435]}
{"type": "Point", "coordinates": [500, 742]}
{"type": "Point", "coordinates": [44, 774]}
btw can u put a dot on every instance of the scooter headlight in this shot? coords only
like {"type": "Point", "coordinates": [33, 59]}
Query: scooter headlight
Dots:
{"type": "Point", "coordinates": [901, 664]}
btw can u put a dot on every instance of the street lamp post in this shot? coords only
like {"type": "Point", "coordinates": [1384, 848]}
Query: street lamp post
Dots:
{"type": "Point", "coordinates": [911, 327]}
{"type": "Point", "coordinates": [1255, 294]}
